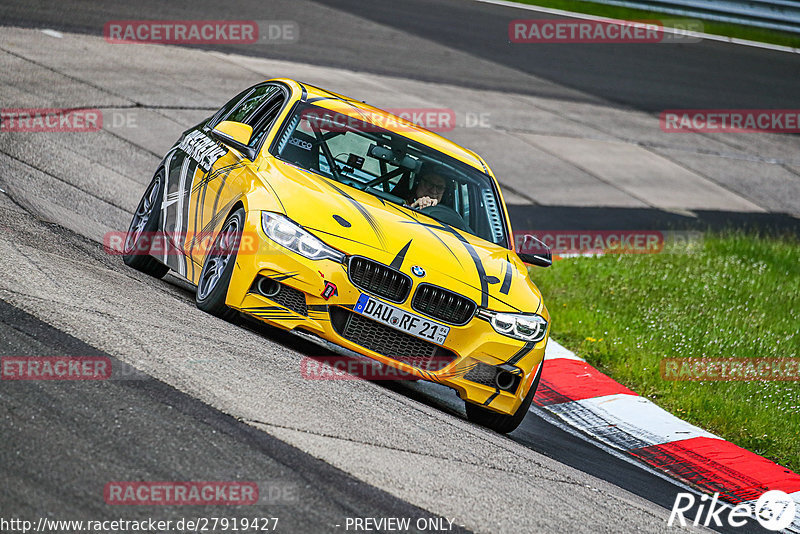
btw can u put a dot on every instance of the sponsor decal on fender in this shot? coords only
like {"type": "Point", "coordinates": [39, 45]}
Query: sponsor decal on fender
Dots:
{"type": "Point", "coordinates": [201, 148]}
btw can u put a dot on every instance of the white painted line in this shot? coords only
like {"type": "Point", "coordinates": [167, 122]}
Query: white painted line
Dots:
{"type": "Point", "coordinates": [627, 421]}
{"type": "Point", "coordinates": [53, 33]}
{"type": "Point", "coordinates": [700, 35]}
{"type": "Point", "coordinates": [556, 350]}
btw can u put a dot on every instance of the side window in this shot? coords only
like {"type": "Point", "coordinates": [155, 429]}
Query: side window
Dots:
{"type": "Point", "coordinates": [244, 111]}
{"type": "Point", "coordinates": [263, 119]}
{"type": "Point", "coordinates": [257, 106]}
{"type": "Point", "coordinates": [226, 109]}
{"type": "Point", "coordinates": [243, 105]}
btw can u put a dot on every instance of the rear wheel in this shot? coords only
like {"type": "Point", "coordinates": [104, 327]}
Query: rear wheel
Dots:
{"type": "Point", "coordinates": [212, 288]}
{"type": "Point", "coordinates": [499, 422]}
{"type": "Point", "coordinates": [136, 251]}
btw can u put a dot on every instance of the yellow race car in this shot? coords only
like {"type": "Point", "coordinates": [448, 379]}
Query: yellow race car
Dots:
{"type": "Point", "coordinates": [322, 215]}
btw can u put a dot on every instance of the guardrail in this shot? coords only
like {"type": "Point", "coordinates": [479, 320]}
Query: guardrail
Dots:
{"type": "Point", "coordinates": [783, 15]}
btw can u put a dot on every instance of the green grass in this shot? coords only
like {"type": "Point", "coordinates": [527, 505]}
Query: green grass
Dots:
{"type": "Point", "coordinates": [733, 295]}
{"type": "Point", "coordinates": [717, 28]}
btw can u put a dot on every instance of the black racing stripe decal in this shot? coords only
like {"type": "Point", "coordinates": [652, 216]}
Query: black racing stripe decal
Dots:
{"type": "Point", "coordinates": [504, 289]}
{"type": "Point", "coordinates": [282, 277]}
{"type": "Point", "coordinates": [187, 203]}
{"type": "Point", "coordinates": [315, 230]}
{"type": "Point", "coordinates": [397, 262]}
{"type": "Point", "coordinates": [210, 176]}
{"type": "Point", "coordinates": [362, 210]}
{"type": "Point", "coordinates": [476, 260]}
{"type": "Point", "coordinates": [491, 398]}
{"type": "Point", "coordinates": [472, 253]}
{"type": "Point", "coordinates": [340, 99]}
{"type": "Point", "coordinates": [219, 191]}
{"type": "Point", "coordinates": [271, 312]}
{"type": "Point", "coordinates": [413, 220]}
{"type": "Point", "coordinates": [201, 198]}
{"type": "Point", "coordinates": [216, 218]}
{"type": "Point", "coordinates": [318, 307]}
{"type": "Point", "coordinates": [198, 208]}
{"type": "Point", "coordinates": [522, 352]}
{"type": "Point", "coordinates": [283, 208]}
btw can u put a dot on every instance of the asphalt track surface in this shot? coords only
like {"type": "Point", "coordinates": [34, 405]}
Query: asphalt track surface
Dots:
{"type": "Point", "coordinates": [465, 43]}
{"type": "Point", "coordinates": [345, 33]}
{"type": "Point", "coordinates": [338, 33]}
{"type": "Point", "coordinates": [143, 429]}
{"type": "Point", "coordinates": [72, 438]}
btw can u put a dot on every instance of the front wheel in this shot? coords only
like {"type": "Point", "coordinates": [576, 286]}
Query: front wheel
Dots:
{"type": "Point", "coordinates": [212, 288]}
{"type": "Point", "coordinates": [499, 422]}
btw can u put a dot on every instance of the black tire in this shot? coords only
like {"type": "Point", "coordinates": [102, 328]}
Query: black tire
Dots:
{"type": "Point", "coordinates": [502, 423]}
{"type": "Point", "coordinates": [136, 250]}
{"type": "Point", "coordinates": [212, 287]}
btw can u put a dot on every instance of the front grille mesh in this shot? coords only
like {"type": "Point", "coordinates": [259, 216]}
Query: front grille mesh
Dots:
{"type": "Point", "coordinates": [291, 298]}
{"type": "Point", "coordinates": [482, 374]}
{"type": "Point", "coordinates": [442, 304]}
{"type": "Point", "coordinates": [389, 342]}
{"type": "Point", "coordinates": [379, 279]}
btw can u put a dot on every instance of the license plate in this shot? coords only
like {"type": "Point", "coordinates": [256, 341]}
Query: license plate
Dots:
{"type": "Point", "coordinates": [402, 320]}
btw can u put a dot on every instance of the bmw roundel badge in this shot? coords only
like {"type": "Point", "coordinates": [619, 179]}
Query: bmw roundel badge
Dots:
{"type": "Point", "coordinates": [418, 271]}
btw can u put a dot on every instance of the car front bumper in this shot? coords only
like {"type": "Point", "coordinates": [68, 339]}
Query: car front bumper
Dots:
{"type": "Point", "coordinates": [301, 305]}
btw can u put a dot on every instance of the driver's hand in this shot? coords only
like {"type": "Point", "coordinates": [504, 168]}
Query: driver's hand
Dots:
{"type": "Point", "coordinates": [424, 202]}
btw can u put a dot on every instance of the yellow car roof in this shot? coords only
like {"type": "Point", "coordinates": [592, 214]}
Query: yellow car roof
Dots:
{"type": "Point", "coordinates": [362, 111]}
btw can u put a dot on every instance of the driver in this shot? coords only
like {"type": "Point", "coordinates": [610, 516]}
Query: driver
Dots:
{"type": "Point", "coordinates": [429, 190]}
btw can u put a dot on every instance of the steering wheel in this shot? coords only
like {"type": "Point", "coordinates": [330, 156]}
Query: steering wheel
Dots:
{"type": "Point", "coordinates": [445, 214]}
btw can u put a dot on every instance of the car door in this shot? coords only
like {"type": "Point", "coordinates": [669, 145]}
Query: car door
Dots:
{"type": "Point", "coordinates": [213, 176]}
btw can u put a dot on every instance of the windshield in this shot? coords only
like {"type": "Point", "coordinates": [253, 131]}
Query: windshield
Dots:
{"type": "Point", "coordinates": [383, 163]}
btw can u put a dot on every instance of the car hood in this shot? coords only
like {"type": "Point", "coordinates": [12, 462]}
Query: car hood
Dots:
{"type": "Point", "coordinates": [358, 223]}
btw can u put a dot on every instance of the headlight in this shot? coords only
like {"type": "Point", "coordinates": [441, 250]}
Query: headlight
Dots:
{"type": "Point", "coordinates": [523, 326]}
{"type": "Point", "coordinates": [288, 234]}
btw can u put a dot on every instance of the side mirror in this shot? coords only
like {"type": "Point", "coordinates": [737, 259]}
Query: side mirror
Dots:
{"type": "Point", "coordinates": [235, 135]}
{"type": "Point", "coordinates": [536, 252]}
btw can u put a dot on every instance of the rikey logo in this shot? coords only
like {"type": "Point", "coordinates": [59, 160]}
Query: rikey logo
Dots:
{"type": "Point", "coordinates": [418, 271]}
{"type": "Point", "coordinates": [774, 510]}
